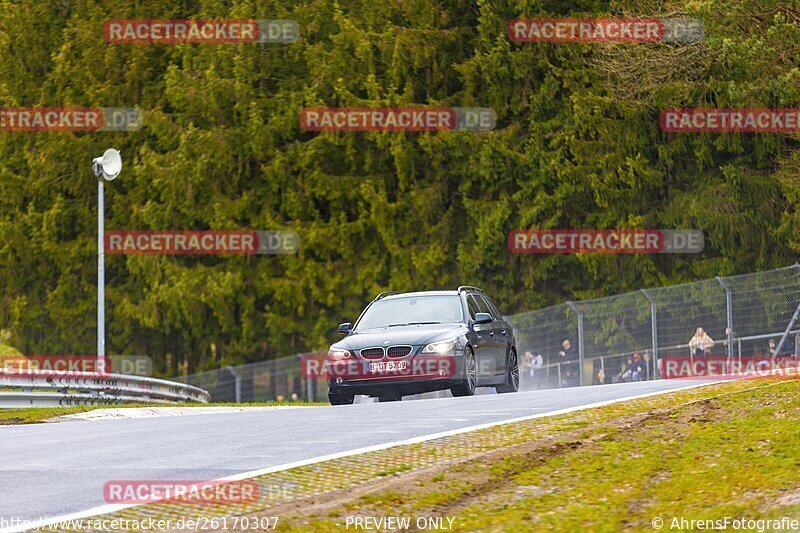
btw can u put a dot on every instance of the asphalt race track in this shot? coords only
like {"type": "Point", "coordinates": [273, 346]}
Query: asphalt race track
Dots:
{"type": "Point", "coordinates": [50, 470]}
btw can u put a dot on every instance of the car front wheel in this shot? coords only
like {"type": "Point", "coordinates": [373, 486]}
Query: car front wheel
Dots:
{"type": "Point", "coordinates": [467, 387]}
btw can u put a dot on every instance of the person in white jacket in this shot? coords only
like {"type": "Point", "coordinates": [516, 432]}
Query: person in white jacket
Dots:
{"type": "Point", "coordinates": [700, 345]}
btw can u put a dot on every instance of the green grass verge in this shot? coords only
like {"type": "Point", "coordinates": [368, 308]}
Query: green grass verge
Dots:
{"type": "Point", "coordinates": [733, 453]}
{"type": "Point", "coordinates": [34, 415]}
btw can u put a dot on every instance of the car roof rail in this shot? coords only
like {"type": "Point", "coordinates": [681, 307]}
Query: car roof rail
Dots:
{"type": "Point", "coordinates": [470, 288]}
{"type": "Point", "coordinates": [385, 294]}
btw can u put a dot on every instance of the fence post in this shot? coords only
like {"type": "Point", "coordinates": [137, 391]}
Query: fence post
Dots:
{"type": "Point", "coordinates": [237, 382]}
{"type": "Point", "coordinates": [603, 369]}
{"type": "Point", "coordinates": [786, 332]}
{"type": "Point", "coordinates": [580, 339]}
{"type": "Point", "coordinates": [729, 319]}
{"type": "Point", "coordinates": [653, 331]}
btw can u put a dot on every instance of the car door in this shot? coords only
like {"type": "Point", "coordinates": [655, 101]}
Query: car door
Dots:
{"type": "Point", "coordinates": [484, 357]}
{"type": "Point", "coordinates": [491, 346]}
{"type": "Point", "coordinates": [502, 334]}
{"type": "Point", "coordinates": [498, 335]}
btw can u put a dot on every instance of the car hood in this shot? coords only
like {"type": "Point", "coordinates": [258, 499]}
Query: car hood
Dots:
{"type": "Point", "coordinates": [413, 335]}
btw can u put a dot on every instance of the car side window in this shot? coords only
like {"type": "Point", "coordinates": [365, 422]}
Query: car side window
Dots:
{"type": "Point", "coordinates": [472, 305]}
{"type": "Point", "coordinates": [495, 311]}
{"type": "Point", "coordinates": [482, 306]}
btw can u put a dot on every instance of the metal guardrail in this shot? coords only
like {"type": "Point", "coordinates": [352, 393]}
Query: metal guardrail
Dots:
{"type": "Point", "coordinates": [42, 388]}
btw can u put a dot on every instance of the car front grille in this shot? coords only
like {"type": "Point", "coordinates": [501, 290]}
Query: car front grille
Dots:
{"type": "Point", "coordinates": [398, 351]}
{"type": "Point", "coordinates": [372, 353]}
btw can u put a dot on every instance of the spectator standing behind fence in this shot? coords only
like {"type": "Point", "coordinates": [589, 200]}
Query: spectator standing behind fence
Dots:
{"type": "Point", "coordinates": [538, 371]}
{"type": "Point", "coordinates": [638, 368]}
{"type": "Point", "coordinates": [634, 369]}
{"type": "Point", "coordinates": [569, 368]}
{"type": "Point", "coordinates": [773, 353]}
{"type": "Point", "coordinates": [527, 367]}
{"type": "Point", "coordinates": [625, 371]}
{"type": "Point", "coordinates": [700, 345]}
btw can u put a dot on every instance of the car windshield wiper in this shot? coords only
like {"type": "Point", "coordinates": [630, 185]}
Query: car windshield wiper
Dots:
{"type": "Point", "coordinates": [412, 324]}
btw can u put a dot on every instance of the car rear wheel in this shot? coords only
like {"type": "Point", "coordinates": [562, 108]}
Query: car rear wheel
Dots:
{"type": "Point", "coordinates": [340, 398]}
{"type": "Point", "coordinates": [512, 375]}
{"type": "Point", "coordinates": [467, 388]}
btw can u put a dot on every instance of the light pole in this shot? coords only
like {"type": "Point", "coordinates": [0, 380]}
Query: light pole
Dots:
{"type": "Point", "coordinates": [105, 168]}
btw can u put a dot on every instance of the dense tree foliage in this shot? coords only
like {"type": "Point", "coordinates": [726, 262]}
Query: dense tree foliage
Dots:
{"type": "Point", "coordinates": [577, 145]}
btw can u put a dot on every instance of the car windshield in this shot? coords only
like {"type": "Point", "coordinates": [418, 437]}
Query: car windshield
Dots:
{"type": "Point", "coordinates": [412, 310]}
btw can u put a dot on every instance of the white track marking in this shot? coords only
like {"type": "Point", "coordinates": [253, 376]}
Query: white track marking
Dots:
{"type": "Point", "coordinates": [149, 412]}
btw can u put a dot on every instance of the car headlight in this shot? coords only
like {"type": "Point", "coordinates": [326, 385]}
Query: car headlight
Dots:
{"type": "Point", "coordinates": [337, 354]}
{"type": "Point", "coordinates": [440, 347]}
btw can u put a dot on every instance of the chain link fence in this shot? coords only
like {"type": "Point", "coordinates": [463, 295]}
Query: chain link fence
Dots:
{"type": "Point", "coordinates": [707, 327]}
{"type": "Point", "coordinates": [282, 379]}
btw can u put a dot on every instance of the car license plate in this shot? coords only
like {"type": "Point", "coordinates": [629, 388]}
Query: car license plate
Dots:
{"type": "Point", "coordinates": [388, 366]}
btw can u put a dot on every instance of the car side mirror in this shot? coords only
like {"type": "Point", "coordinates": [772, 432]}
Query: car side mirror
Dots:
{"type": "Point", "coordinates": [482, 318]}
{"type": "Point", "coordinates": [344, 328]}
